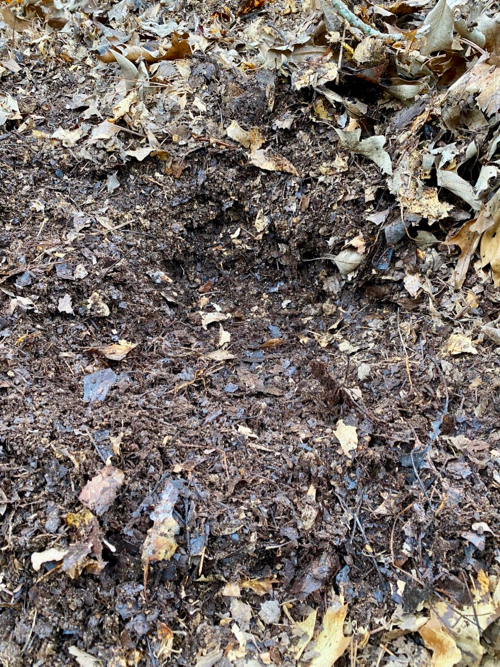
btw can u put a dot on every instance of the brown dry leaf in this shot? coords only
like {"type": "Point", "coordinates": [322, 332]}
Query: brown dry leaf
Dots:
{"type": "Point", "coordinates": [445, 652]}
{"type": "Point", "coordinates": [331, 643]}
{"type": "Point", "coordinates": [259, 586]}
{"type": "Point", "coordinates": [115, 351]}
{"type": "Point", "coordinates": [490, 250]}
{"type": "Point", "coordinates": [104, 131]}
{"type": "Point", "coordinates": [252, 139]}
{"type": "Point", "coordinates": [459, 344]}
{"type": "Point", "coordinates": [166, 637]}
{"type": "Point", "coordinates": [100, 492]}
{"type": "Point", "coordinates": [160, 541]}
{"type": "Point", "coordinates": [264, 160]}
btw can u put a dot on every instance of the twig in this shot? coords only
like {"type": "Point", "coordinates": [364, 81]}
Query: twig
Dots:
{"type": "Point", "coordinates": [355, 22]}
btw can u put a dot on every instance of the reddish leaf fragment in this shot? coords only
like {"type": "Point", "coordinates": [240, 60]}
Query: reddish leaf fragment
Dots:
{"type": "Point", "coordinates": [160, 542]}
{"type": "Point", "coordinates": [100, 492]}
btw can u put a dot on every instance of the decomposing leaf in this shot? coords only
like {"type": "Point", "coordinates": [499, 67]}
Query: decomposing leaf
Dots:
{"type": "Point", "coordinates": [272, 162]}
{"type": "Point", "coordinates": [100, 492]}
{"type": "Point", "coordinates": [231, 590]}
{"type": "Point", "coordinates": [97, 307]}
{"type": "Point", "coordinates": [440, 35]}
{"type": "Point", "coordinates": [347, 437]}
{"type": "Point", "coordinates": [220, 355]}
{"type": "Point", "coordinates": [48, 556]}
{"type": "Point", "coordinates": [104, 131]}
{"type": "Point", "coordinates": [160, 541]}
{"type": "Point", "coordinates": [248, 138]}
{"type": "Point", "coordinates": [459, 344]}
{"type": "Point", "coordinates": [306, 628]}
{"type": "Point", "coordinates": [96, 385]}
{"type": "Point", "coordinates": [115, 351]}
{"type": "Point", "coordinates": [166, 637]}
{"type": "Point", "coordinates": [86, 554]}
{"type": "Point", "coordinates": [372, 148]}
{"type": "Point", "coordinates": [331, 643]}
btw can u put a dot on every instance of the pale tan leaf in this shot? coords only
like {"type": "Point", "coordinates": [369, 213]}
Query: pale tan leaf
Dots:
{"type": "Point", "coordinates": [129, 70]}
{"type": "Point", "coordinates": [347, 436]}
{"type": "Point", "coordinates": [104, 131]}
{"type": "Point", "coordinates": [348, 260]}
{"type": "Point", "coordinates": [371, 148]}
{"type": "Point", "coordinates": [219, 355]}
{"type": "Point", "coordinates": [331, 643]}
{"type": "Point", "coordinates": [269, 162]}
{"type": "Point", "coordinates": [440, 35]}
{"type": "Point", "coordinates": [83, 658]}
{"type": "Point", "coordinates": [48, 556]}
{"type": "Point", "coordinates": [490, 250]}
{"type": "Point", "coordinates": [459, 186]}
{"type": "Point", "coordinates": [459, 344]}
{"type": "Point", "coordinates": [307, 631]}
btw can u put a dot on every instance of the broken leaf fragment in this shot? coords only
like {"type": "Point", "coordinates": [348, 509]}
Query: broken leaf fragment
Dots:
{"type": "Point", "coordinates": [459, 344]}
{"type": "Point", "coordinates": [100, 492]}
{"type": "Point", "coordinates": [96, 306]}
{"type": "Point", "coordinates": [263, 159]}
{"type": "Point", "coordinates": [83, 658]}
{"type": "Point", "coordinates": [348, 260]}
{"type": "Point", "coordinates": [115, 351]}
{"type": "Point", "coordinates": [160, 541]}
{"type": "Point", "coordinates": [39, 558]}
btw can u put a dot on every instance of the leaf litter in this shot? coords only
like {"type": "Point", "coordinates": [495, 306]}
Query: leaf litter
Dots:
{"type": "Point", "coordinates": [223, 146]}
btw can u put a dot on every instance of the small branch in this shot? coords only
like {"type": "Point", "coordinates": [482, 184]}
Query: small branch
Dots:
{"type": "Point", "coordinates": [355, 22]}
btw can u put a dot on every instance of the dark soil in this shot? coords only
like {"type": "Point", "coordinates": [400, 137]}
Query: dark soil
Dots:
{"type": "Point", "coordinates": [310, 348]}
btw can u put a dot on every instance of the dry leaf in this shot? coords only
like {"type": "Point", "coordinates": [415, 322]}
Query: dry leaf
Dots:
{"type": "Point", "coordinates": [220, 355]}
{"type": "Point", "coordinates": [490, 250]}
{"type": "Point", "coordinates": [115, 351]}
{"type": "Point", "coordinates": [224, 336]}
{"type": "Point", "coordinates": [160, 541]}
{"type": "Point", "coordinates": [459, 344]}
{"type": "Point", "coordinates": [459, 186]}
{"type": "Point", "coordinates": [347, 436]}
{"type": "Point", "coordinates": [306, 627]}
{"type": "Point", "coordinates": [440, 36]}
{"type": "Point", "coordinates": [331, 642]}
{"type": "Point", "coordinates": [372, 148]}
{"type": "Point", "coordinates": [166, 637]}
{"type": "Point", "coordinates": [209, 318]}
{"type": "Point", "coordinates": [83, 658]}
{"type": "Point", "coordinates": [48, 556]}
{"type": "Point", "coordinates": [231, 590]}
{"type": "Point", "coordinates": [248, 138]}
{"type": "Point", "coordinates": [348, 260]}
{"type": "Point", "coordinates": [104, 131]}
{"type": "Point", "coordinates": [445, 652]}
{"type": "Point", "coordinates": [100, 492]}
{"type": "Point", "coordinates": [259, 586]}
{"type": "Point", "coordinates": [270, 162]}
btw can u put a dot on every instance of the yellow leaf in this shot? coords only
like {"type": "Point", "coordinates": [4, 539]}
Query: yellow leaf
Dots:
{"type": "Point", "coordinates": [269, 162]}
{"type": "Point", "coordinates": [347, 436]}
{"type": "Point", "coordinates": [331, 642]}
{"type": "Point", "coordinates": [307, 627]}
{"type": "Point", "coordinates": [459, 344]}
